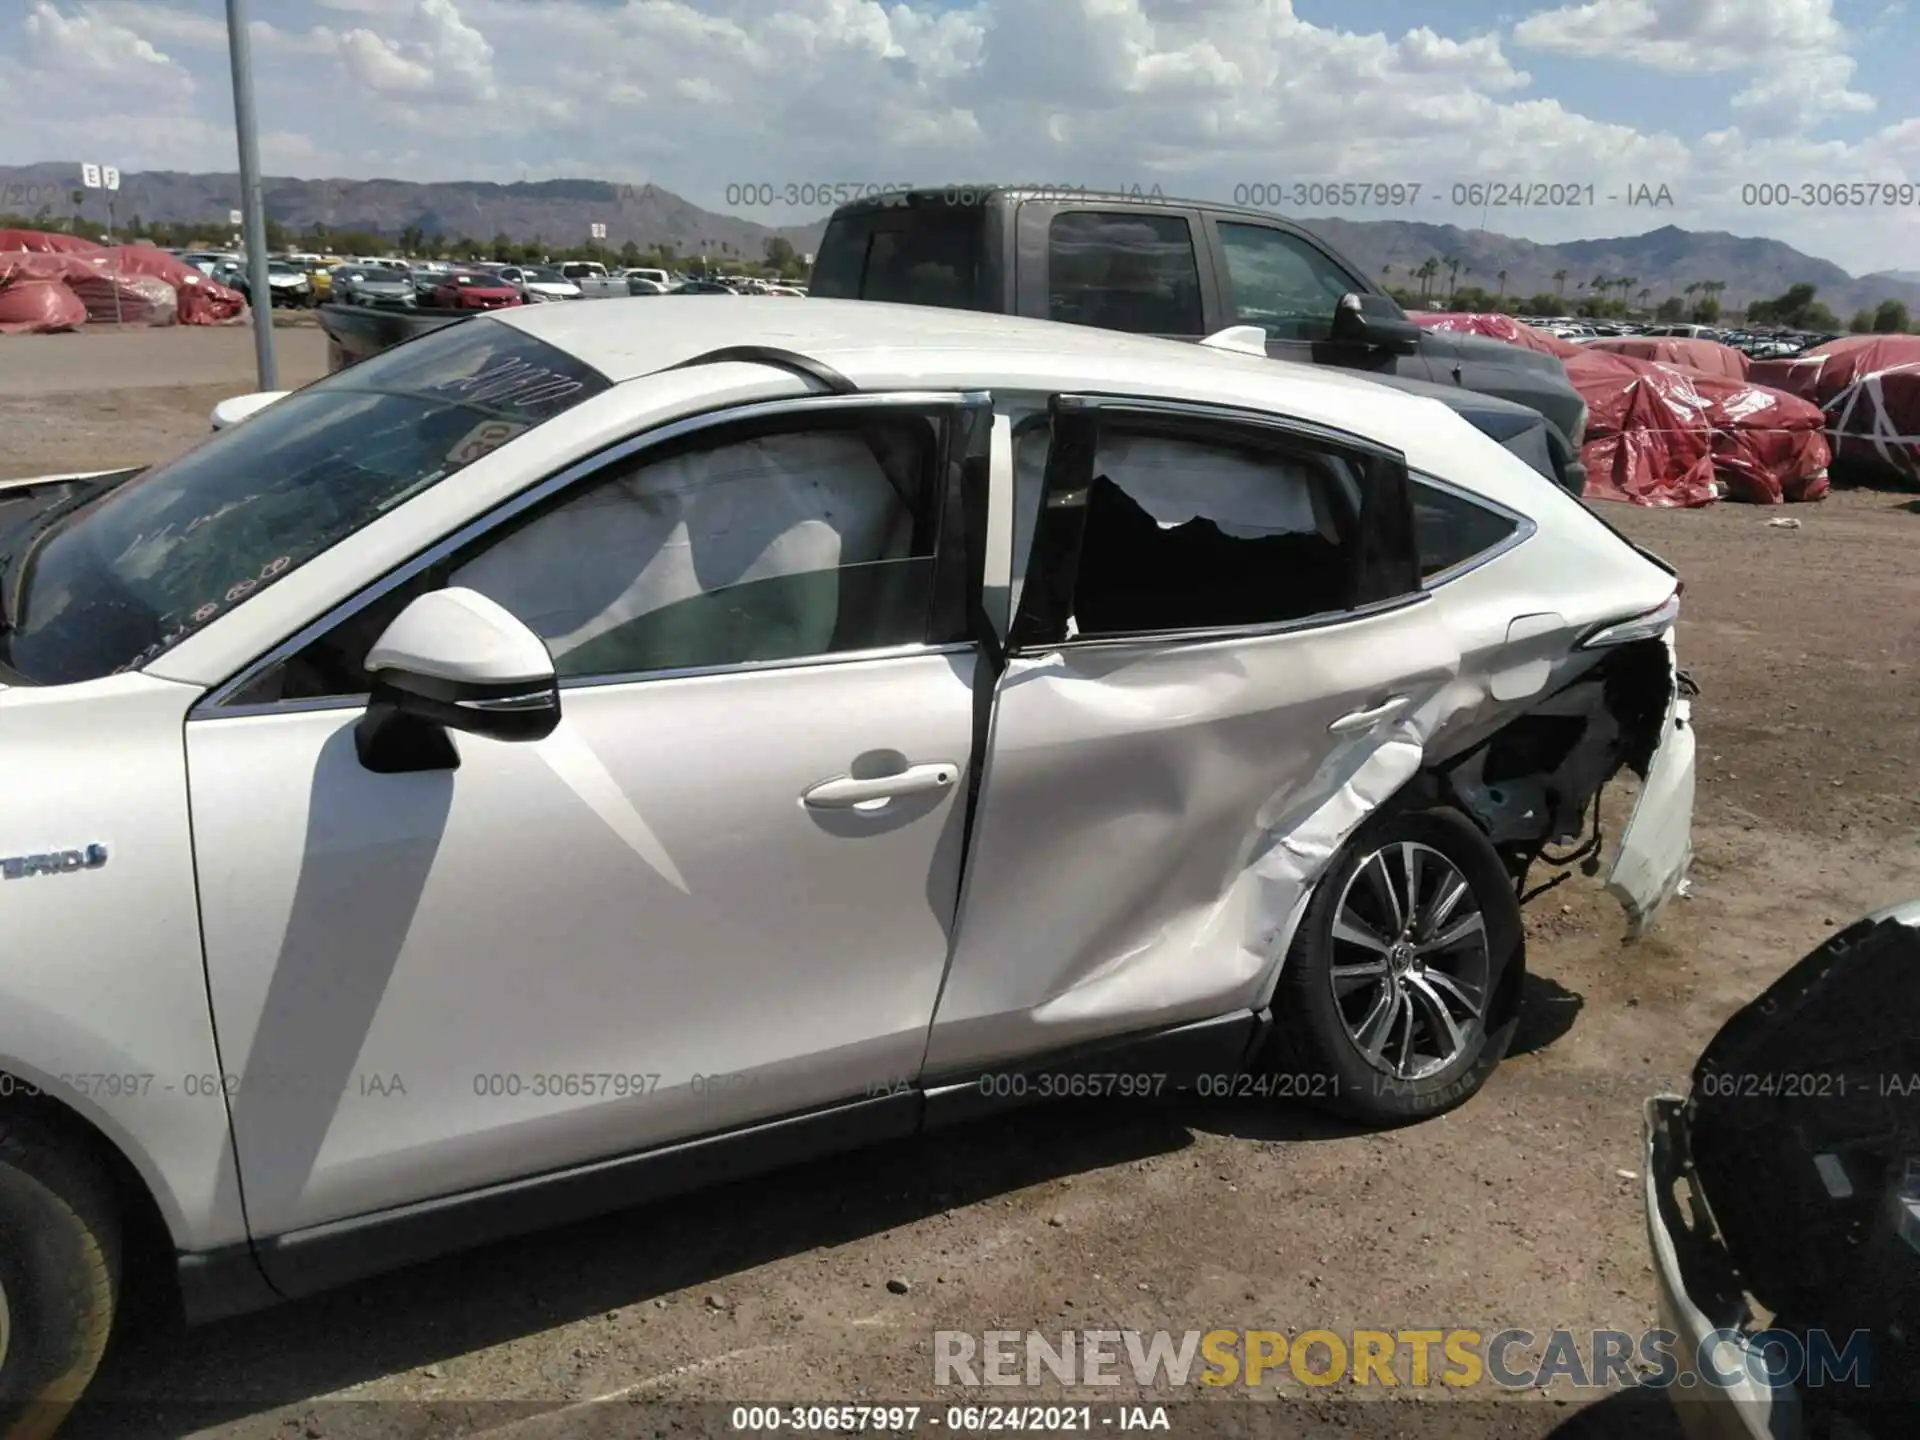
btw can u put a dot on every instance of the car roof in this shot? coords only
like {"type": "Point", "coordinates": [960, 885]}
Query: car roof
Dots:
{"type": "Point", "coordinates": [881, 346]}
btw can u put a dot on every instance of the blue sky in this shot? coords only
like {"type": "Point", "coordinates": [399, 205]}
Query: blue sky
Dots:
{"type": "Point", "coordinates": [1703, 97]}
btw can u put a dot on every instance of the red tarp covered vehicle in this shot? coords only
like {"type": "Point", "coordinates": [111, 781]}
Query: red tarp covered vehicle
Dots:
{"type": "Point", "coordinates": [128, 284]}
{"type": "Point", "coordinates": [1869, 388]}
{"type": "Point", "coordinates": [1660, 434]}
{"type": "Point", "coordinates": [1708, 355]}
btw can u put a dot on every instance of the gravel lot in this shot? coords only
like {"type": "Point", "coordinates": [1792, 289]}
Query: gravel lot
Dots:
{"type": "Point", "coordinates": [1513, 1212]}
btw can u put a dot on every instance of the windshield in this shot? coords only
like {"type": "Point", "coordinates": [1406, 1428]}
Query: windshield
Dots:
{"type": "Point", "coordinates": [124, 577]}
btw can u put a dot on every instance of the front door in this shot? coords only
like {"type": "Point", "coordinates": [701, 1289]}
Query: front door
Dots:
{"type": "Point", "coordinates": [1221, 662]}
{"type": "Point", "coordinates": [720, 891]}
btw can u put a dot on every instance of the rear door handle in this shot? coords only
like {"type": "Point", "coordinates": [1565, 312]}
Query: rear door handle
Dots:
{"type": "Point", "coordinates": [843, 792]}
{"type": "Point", "coordinates": [1358, 720]}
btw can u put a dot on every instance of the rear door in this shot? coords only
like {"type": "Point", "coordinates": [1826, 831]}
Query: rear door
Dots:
{"type": "Point", "coordinates": [1142, 269]}
{"type": "Point", "coordinates": [1281, 279]}
{"type": "Point", "coordinates": [1220, 661]}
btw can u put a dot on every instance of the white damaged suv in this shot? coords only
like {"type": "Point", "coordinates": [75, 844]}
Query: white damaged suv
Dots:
{"type": "Point", "coordinates": [558, 761]}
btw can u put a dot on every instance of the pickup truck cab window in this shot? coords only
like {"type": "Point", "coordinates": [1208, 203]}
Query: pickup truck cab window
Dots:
{"type": "Point", "coordinates": [928, 254]}
{"type": "Point", "coordinates": [1120, 271]}
{"type": "Point", "coordinates": [1281, 283]}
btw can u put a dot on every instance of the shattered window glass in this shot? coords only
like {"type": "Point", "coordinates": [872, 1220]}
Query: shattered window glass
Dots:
{"type": "Point", "coordinates": [1186, 535]}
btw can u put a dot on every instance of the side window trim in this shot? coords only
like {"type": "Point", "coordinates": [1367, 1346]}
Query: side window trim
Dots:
{"type": "Point", "coordinates": [1038, 628]}
{"type": "Point", "coordinates": [215, 702]}
{"type": "Point", "coordinates": [1524, 527]}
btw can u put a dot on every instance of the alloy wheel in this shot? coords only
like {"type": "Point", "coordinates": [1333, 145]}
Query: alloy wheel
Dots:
{"type": "Point", "coordinates": [1411, 961]}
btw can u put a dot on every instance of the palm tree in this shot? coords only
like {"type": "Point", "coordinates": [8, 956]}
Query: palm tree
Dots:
{"type": "Point", "coordinates": [1625, 285]}
{"type": "Point", "coordinates": [1646, 294]}
{"type": "Point", "coordinates": [1560, 280]}
{"type": "Point", "coordinates": [1501, 276]}
{"type": "Point", "coordinates": [1693, 289]}
{"type": "Point", "coordinates": [1453, 275]}
{"type": "Point", "coordinates": [1429, 268]}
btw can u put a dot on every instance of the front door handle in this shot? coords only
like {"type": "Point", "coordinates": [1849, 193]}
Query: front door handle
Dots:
{"type": "Point", "coordinates": [1359, 720]}
{"type": "Point", "coordinates": [843, 792]}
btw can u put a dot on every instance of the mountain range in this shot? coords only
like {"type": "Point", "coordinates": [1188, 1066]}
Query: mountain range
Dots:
{"type": "Point", "coordinates": [1663, 261]}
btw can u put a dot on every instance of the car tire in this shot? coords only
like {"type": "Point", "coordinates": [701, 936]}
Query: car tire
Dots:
{"type": "Point", "coordinates": [1356, 1028]}
{"type": "Point", "coordinates": [59, 1276]}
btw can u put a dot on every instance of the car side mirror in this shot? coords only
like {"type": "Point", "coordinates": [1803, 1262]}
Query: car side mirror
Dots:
{"type": "Point", "coordinates": [1374, 322]}
{"type": "Point", "coordinates": [237, 408]}
{"type": "Point", "coordinates": [453, 660]}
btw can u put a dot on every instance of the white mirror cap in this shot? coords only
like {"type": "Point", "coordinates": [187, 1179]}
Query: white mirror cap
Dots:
{"type": "Point", "coordinates": [1246, 339]}
{"type": "Point", "coordinates": [461, 636]}
{"type": "Point", "coordinates": [233, 411]}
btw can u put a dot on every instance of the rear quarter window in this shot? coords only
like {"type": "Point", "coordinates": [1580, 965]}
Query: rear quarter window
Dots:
{"type": "Point", "coordinates": [1452, 530]}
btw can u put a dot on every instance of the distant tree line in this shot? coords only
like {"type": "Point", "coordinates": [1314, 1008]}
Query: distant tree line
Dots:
{"type": "Point", "coordinates": [1436, 283]}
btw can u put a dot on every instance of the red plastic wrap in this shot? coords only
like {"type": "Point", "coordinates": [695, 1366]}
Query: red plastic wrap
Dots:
{"type": "Point", "coordinates": [1869, 388]}
{"type": "Point", "coordinates": [45, 242]}
{"type": "Point", "coordinates": [152, 288]}
{"type": "Point", "coordinates": [200, 301]}
{"type": "Point", "coordinates": [1658, 434]}
{"type": "Point", "coordinates": [1706, 355]}
{"type": "Point", "coordinates": [39, 307]}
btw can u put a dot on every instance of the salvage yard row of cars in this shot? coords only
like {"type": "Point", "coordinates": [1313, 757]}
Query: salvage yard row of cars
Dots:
{"type": "Point", "coordinates": [305, 280]}
{"type": "Point", "coordinates": [1053, 701]}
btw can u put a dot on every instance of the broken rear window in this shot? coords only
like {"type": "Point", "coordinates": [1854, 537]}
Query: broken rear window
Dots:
{"type": "Point", "coordinates": [1184, 534]}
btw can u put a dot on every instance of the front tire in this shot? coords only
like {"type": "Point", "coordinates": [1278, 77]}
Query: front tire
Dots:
{"type": "Point", "coordinates": [59, 1276]}
{"type": "Point", "coordinates": [1399, 995]}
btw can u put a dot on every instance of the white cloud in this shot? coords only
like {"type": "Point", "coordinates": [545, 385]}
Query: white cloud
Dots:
{"type": "Point", "coordinates": [1199, 96]}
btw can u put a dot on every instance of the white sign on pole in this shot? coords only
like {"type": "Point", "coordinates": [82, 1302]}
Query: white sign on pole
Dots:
{"type": "Point", "coordinates": [599, 231]}
{"type": "Point", "coordinates": [90, 176]}
{"type": "Point", "coordinates": [234, 217]}
{"type": "Point", "coordinates": [110, 177]}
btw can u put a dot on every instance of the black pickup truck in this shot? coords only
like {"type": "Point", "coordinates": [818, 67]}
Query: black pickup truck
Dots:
{"type": "Point", "coordinates": [1186, 270]}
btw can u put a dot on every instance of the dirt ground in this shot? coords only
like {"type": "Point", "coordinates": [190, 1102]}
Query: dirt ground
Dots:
{"type": "Point", "coordinates": [1516, 1211]}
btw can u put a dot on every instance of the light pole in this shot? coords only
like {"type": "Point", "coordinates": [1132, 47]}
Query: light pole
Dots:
{"type": "Point", "coordinates": [240, 47]}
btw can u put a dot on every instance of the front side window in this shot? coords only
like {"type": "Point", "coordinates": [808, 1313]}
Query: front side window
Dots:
{"type": "Point", "coordinates": [124, 573]}
{"type": "Point", "coordinates": [1121, 271]}
{"type": "Point", "coordinates": [1282, 283]}
{"type": "Point", "coordinates": [782, 544]}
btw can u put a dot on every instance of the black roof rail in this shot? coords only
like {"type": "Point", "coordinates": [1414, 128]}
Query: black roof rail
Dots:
{"type": "Point", "coordinates": [804, 366]}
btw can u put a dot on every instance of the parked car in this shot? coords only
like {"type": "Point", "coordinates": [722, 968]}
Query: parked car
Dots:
{"type": "Point", "coordinates": [287, 283]}
{"type": "Point", "coordinates": [636, 285]}
{"type": "Point", "coordinates": [473, 290]}
{"type": "Point", "coordinates": [538, 282]}
{"type": "Point", "coordinates": [702, 287]}
{"type": "Point", "coordinates": [1182, 269]}
{"type": "Point", "coordinates": [376, 285]}
{"type": "Point", "coordinates": [641, 272]}
{"type": "Point", "coordinates": [1783, 1201]}
{"type": "Point", "coordinates": [594, 281]}
{"type": "Point", "coordinates": [1241, 743]}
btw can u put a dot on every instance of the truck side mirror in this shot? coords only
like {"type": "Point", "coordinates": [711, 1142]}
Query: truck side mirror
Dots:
{"type": "Point", "coordinates": [1374, 322]}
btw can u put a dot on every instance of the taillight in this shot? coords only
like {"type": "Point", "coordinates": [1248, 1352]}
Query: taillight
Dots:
{"type": "Point", "coordinates": [1654, 623]}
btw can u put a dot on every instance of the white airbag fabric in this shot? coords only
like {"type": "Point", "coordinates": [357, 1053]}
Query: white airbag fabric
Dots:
{"type": "Point", "coordinates": [1176, 481]}
{"type": "Point", "coordinates": [782, 505]}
